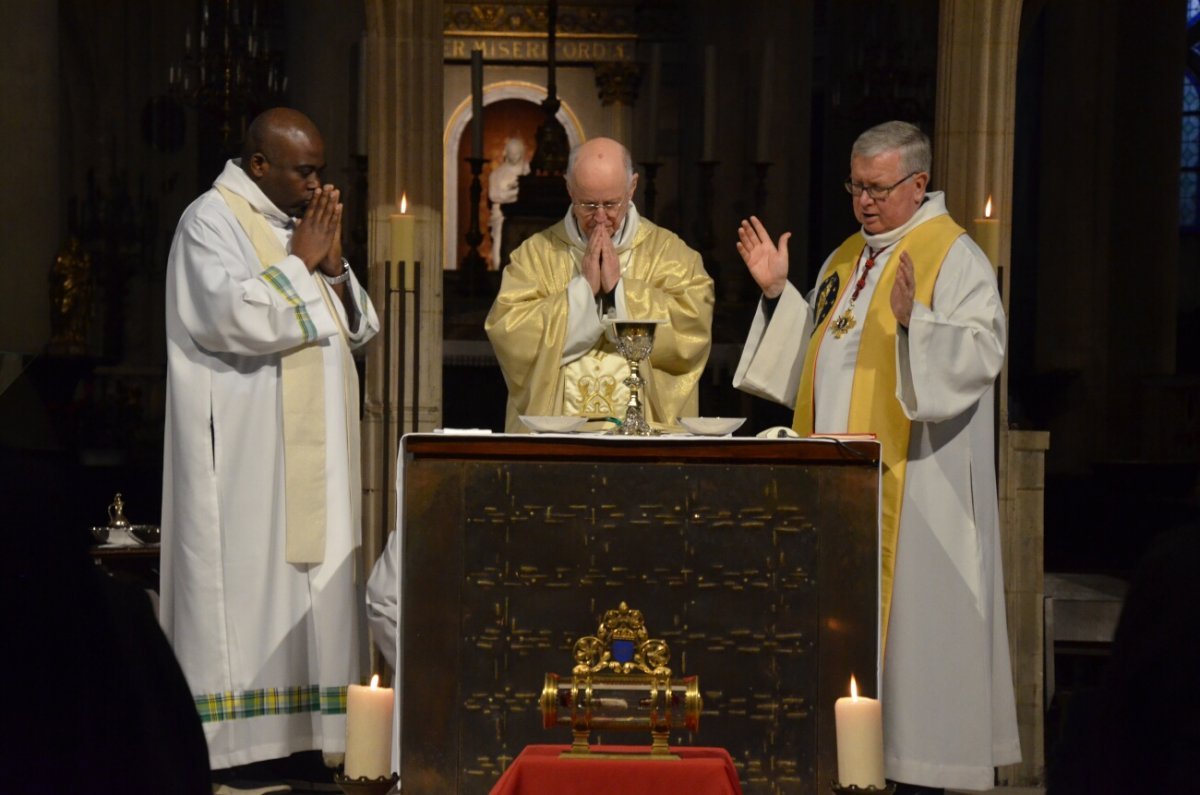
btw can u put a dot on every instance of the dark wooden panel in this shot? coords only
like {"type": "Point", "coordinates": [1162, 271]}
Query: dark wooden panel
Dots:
{"type": "Point", "coordinates": [595, 446]}
{"type": "Point", "coordinates": [761, 575]}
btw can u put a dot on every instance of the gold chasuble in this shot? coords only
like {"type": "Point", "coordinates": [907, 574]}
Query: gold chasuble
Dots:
{"type": "Point", "coordinates": [874, 407]}
{"type": "Point", "coordinates": [527, 325]}
{"type": "Point", "coordinates": [303, 399]}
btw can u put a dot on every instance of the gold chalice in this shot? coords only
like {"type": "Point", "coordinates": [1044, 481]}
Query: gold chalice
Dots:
{"type": "Point", "coordinates": [634, 340]}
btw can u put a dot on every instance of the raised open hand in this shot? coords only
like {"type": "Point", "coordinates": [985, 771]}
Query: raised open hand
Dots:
{"type": "Point", "coordinates": [767, 261]}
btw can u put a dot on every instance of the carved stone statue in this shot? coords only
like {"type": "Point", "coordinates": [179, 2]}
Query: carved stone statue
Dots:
{"type": "Point", "coordinates": [502, 189]}
{"type": "Point", "coordinates": [70, 299]}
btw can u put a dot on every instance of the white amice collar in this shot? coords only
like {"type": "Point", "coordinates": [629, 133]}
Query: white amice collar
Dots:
{"type": "Point", "coordinates": [933, 206]}
{"type": "Point", "coordinates": [234, 179]}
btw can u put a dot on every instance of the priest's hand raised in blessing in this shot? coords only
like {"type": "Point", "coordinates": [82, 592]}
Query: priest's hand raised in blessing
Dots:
{"type": "Point", "coordinates": [767, 261]}
{"type": "Point", "coordinates": [904, 291]}
{"type": "Point", "coordinates": [318, 229]}
{"type": "Point", "coordinates": [600, 265]}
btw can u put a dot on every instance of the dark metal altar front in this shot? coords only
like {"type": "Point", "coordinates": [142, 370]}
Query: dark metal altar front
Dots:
{"type": "Point", "coordinates": [755, 560]}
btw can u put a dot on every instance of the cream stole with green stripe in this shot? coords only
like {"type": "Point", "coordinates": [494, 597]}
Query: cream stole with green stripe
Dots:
{"type": "Point", "coordinates": [303, 396]}
{"type": "Point", "coordinates": [873, 404]}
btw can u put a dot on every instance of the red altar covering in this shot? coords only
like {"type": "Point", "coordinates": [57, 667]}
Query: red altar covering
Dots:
{"type": "Point", "coordinates": [699, 771]}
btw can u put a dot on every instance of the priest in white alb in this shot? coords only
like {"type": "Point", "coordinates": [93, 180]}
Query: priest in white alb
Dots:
{"type": "Point", "coordinates": [903, 336]}
{"type": "Point", "coordinates": [603, 259]}
{"type": "Point", "coordinates": [261, 525]}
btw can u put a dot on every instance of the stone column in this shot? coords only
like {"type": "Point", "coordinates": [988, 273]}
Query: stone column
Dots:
{"type": "Point", "coordinates": [973, 158]}
{"type": "Point", "coordinates": [1022, 502]}
{"type": "Point", "coordinates": [617, 84]}
{"type": "Point", "coordinates": [975, 121]}
{"type": "Point", "coordinates": [404, 146]}
{"type": "Point", "coordinates": [29, 88]}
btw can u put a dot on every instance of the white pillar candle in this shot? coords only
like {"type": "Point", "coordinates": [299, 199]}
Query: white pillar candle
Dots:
{"type": "Point", "coordinates": [404, 232]}
{"type": "Point", "coordinates": [369, 730]}
{"type": "Point", "coordinates": [859, 740]}
{"type": "Point", "coordinates": [987, 234]}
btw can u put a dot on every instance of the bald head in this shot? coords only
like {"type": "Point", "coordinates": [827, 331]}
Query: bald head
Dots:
{"type": "Point", "coordinates": [271, 127]}
{"type": "Point", "coordinates": [599, 159]}
{"type": "Point", "coordinates": [601, 182]}
{"type": "Point", "coordinates": [284, 154]}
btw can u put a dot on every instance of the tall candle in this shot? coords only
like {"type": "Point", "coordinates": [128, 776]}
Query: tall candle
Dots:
{"type": "Point", "coordinates": [369, 730]}
{"type": "Point", "coordinates": [477, 103]}
{"type": "Point", "coordinates": [859, 740]}
{"type": "Point", "coordinates": [652, 103]}
{"type": "Point", "coordinates": [710, 104]}
{"type": "Point", "coordinates": [987, 234]}
{"type": "Point", "coordinates": [764, 104]}
{"type": "Point", "coordinates": [404, 232]}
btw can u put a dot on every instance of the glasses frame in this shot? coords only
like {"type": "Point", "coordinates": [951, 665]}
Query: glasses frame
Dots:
{"type": "Point", "coordinates": [591, 208]}
{"type": "Point", "coordinates": [877, 193]}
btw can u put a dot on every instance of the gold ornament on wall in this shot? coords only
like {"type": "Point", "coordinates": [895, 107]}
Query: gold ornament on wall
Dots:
{"type": "Point", "coordinates": [71, 291]}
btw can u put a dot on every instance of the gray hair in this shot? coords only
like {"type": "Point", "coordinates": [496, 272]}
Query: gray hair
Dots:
{"type": "Point", "coordinates": [896, 136]}
{"type": "Point", "coordinates": [626, 159]}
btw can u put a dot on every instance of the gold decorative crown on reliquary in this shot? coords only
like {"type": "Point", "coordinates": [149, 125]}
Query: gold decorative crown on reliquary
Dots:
{"type": "Point", "coordinates": [621, 682]}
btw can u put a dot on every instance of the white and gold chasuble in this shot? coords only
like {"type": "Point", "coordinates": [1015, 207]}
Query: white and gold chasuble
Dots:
{"type": "Point", "coordinates": [549, 337]}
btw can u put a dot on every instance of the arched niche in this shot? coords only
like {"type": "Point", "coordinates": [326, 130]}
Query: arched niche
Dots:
{"type": "Point", "coordinates": [455, 167]}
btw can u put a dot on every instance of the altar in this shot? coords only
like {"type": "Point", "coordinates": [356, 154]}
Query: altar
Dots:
{"type": "Point", "coordinates": [755, 560]}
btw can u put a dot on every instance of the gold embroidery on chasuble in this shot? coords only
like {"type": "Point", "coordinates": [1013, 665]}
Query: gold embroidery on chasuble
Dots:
{"type": "Point", "coordinates": [594, 384]}
{"type": "Point", "coordinates": [826, 299]}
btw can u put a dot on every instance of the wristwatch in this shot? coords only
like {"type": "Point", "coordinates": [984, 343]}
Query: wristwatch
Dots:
{"type": "Point", "coordinates": [341, 278]}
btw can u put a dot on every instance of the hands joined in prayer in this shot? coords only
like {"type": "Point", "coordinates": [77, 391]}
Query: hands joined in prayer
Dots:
{"type": "Point", "coordinates": [318, 236]}
{"type": "Point", "coordinates": [767, 261]}
{"type": "Point", "coordinates": [600, 265]}
{"type": "Point", "coordinates": [768, 264]}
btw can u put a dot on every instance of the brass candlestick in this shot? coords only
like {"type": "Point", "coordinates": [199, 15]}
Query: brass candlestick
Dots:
{"type": "Point", "coordinates": [853, 789]}
{"type": "Point", "coordinates": [634, 340]}
{"type": "Point", "coordinates": [365, 786]}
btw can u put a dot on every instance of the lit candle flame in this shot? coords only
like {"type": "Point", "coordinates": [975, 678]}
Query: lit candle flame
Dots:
{"type": "Point", "coordinates": [853, 689]}
{"type": "Point", "coordinates": [987, 208]}
{"type": "Point", "coordinates": [375, 682]}
{"type": "Point", "coordinates": [404, 203]}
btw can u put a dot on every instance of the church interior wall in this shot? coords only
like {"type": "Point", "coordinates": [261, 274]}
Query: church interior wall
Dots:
{"type": "Point", "coordinates": [1100, 271]}
{"type": "Point", "coordinates": [1107, 225]}
{"type": "Point", "coordinates": [322, 67]}
{"type": "Point", "coordinates": [1100, 275]}
{"type": "Point", "coordinates": [29, 80]}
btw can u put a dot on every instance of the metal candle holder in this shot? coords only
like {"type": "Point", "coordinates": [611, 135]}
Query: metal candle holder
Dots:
{"type": "Point", "coordinates": [837, 788]}
{"type": "Point", "coordinates": [365, 786]}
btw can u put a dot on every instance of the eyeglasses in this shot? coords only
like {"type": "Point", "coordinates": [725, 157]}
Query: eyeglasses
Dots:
{"type": "Point", "coordinates": [590, 208]}
{"type": "Point", "coordinates": [876, 192]}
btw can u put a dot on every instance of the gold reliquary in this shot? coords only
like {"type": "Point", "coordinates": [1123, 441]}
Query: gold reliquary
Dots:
{"type": "Point", "coordinates": [621, 683]}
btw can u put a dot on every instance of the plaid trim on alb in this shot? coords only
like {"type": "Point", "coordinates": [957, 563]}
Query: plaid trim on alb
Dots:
{"type": "Point", "coordinates": [214, 707]}
{"type": "Point", "coordinates": [279, 280]}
